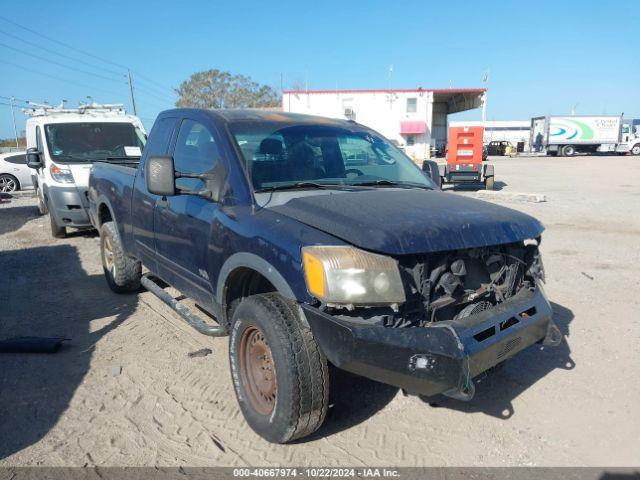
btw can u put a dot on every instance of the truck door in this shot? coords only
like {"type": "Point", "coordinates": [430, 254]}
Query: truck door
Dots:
{"type": "Point", "coordinates": [183, 222]}
{"type": "Point", "coordinates": [143, 203]}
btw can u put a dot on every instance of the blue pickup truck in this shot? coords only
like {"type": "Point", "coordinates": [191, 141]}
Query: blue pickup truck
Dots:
{"type": "Point", "coordinates": [314, 242]}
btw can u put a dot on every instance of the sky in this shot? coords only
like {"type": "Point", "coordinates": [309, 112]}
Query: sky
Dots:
{"type": "Point", "coordinates": [543, 57]}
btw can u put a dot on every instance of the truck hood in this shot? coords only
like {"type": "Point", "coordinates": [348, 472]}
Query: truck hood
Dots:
{"type": "Point", "coordinates": [399, 222]}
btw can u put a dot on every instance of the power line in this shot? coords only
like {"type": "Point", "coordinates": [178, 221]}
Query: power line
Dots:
{"type": "Point", "coordinates": [151, 94]}
{"type": "Point", "coordinates": [14, 98]}
{"type": "Point", "coordinates": [53, 62]}
{"type": "Point", "coordinates": [68, 57]}
{"type": "Point", "coordinates": [151, 104]}
{"type": "Point", "coordinates": [148, 83]}
{"type": "Point", "coordinates": [57, 78]}
{"type": "Point", "coordinates": [148, 80]}
{"type": "Point", "coordinates": [61, 43]}
{"type": "Point", "coordinates": [150, 87]}
{"type": "Point", "coordinates": [161, 91]}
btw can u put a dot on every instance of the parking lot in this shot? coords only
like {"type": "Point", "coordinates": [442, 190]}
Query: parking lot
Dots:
{"type": "Point", "coordinates": [123, 391]}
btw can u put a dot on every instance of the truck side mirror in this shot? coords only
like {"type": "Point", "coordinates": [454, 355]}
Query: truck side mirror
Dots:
{"type": "Point", "coordinates": [33, 158]}
{"type": "Point", "coordinates": [161, 176]}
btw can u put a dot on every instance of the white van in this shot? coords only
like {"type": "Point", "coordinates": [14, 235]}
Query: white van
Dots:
{"type": "Point", "coordinates": [63, 143]}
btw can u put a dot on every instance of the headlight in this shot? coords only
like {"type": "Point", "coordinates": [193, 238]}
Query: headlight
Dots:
{"type": "Point", "coordinates": [348, 276]}
{"type": "Point", "coordinates": [61, 174]}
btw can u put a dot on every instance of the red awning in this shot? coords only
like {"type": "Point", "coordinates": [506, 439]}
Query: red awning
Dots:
{"type": "Point", "coordinates": [413, 127]}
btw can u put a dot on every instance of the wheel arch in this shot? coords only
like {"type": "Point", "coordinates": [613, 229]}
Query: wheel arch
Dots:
{"type": "Point", "coordinates": [245, 274]}
{"type": "Point", "coordinates": [103, 212]}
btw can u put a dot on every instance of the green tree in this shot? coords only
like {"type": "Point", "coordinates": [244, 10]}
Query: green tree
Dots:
{"type": "Point", "coordinates": [218, 89]}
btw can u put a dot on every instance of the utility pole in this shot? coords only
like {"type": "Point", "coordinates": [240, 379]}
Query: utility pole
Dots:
{"type": "Point", "coordinates": [13, 116]}
{"type": "Point", "coordinates": [133, 100]}
{"type": "Point", "coordinates": [390, 84]}
{"type": "Point", "coordinates": [485, 80]}
{"type": "Point", "coordinates": [573, 108]}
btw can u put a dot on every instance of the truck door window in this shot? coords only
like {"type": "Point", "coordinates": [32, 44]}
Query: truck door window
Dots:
{"type": "Point", "coordinates": [160, 137]}
{"type": "Point", "coordinates": [196, 152]}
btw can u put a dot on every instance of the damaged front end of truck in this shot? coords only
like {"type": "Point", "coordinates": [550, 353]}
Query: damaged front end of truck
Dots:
{"type": "Point", "coordinates": [460, 313]}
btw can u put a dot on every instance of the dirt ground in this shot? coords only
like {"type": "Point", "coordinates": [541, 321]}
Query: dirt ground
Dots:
{"type": "Point", "coordinates": [124, 391]}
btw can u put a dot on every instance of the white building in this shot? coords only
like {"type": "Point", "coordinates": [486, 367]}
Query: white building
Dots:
{"type": "Point", "coordinates": [512, 131]}
{"type": "Point", "coordinates": [415, 118]}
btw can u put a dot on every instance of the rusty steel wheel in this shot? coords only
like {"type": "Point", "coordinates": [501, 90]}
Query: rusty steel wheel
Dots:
{"type": "Point", "coordinates": [257, 370]}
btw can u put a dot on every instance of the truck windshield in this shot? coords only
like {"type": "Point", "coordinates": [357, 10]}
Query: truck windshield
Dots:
{"type": "Point", "coordinates": [78, 142]}
{"type": "Point", "coordinates": [278, 156]}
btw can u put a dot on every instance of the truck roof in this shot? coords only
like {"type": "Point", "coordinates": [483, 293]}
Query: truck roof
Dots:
{"type": "Point", "coordinates": [40, 114]}
{"type": "Point", "coordinates": [82, 118]}
{"type": "Point", "coordinates": [258, 115]}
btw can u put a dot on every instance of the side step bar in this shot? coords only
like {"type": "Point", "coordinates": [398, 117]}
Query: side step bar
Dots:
{"type": "Point", "coordinates": [191, 318]}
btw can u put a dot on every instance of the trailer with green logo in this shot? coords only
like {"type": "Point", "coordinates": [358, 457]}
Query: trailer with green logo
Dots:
{"type": "Point", "coordinates": [572, 134]}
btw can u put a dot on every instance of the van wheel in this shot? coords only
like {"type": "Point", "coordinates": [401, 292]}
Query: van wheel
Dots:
{"type": "Point", "coordinates": [42, 206]}
{"type": "Point", "coordinates": [56, 230]}
{"type": "Point", "coordinates": [123, 274]}
{"type": "Point", "coordinates": [488, 183]}
{"type": "Point", "coordinates": [279, 374]}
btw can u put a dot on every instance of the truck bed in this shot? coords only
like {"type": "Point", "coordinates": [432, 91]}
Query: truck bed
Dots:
{"type": "Point", "coordinates": [115, 182]}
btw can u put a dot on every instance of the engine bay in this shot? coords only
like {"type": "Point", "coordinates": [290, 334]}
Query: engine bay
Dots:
{"type": "Point", "coordinates": [456, 284]}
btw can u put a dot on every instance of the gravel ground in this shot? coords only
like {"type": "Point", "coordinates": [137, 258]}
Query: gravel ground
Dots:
{"type": "Point", "coordinates": [124, 391]}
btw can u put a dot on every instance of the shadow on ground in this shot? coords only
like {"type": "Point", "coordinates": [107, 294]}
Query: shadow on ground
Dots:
{"type": "Point", "coordinates": [44, 291]}
{"type": "Point", "coordinates": [473, 187]}
{"type": "Point", "coordinates": [496, 389]}
{"type": "Point", "coordinates": [12, 218]}
{"type": "Point", "coordinates": [353, 400]}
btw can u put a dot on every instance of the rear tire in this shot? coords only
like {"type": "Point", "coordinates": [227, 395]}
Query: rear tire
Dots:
{"type": "Point", "coordinates": [122, 273]}
{"type": "Point", "coordinates": [56, 230]}
{"type": "Point", "coordinates": [488, 183]}
{"type": "Point", "coordinates": [9, 183]}
{"type": "Point", "coordinates": [280, 376]}
{"type": "Point", "coordinates": [568, 151]}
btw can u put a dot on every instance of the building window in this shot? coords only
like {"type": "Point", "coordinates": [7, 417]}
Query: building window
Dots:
{"type": "Point", "coordinates": [349, 113]}
{"type": "Point", "coordinates": [411, 139]}
{"type": "Point", "coordinates": [412, 105]}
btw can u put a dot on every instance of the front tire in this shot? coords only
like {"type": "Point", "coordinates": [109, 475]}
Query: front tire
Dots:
{"type": "Point", "coordinates": [42, 206]}
{"type": "Point", "coordinates": [635, 150]}
{"type": "Point", "coordinates": [280, 376]}
{"type": "Point", "coordinates": [122, 273]}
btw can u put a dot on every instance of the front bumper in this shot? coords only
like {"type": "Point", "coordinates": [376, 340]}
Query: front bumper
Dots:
{"type": "Point", "coordinates": [69, 206]}
{"type": "Point", "coordinates": [442, 358]}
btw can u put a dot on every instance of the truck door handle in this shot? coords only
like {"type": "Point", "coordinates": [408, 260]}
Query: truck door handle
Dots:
{"type": "Point", "coordinates": [162, 202]}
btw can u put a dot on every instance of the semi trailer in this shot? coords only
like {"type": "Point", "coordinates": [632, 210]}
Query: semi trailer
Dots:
{"type": "Point", "coordinates": [569, 135]}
